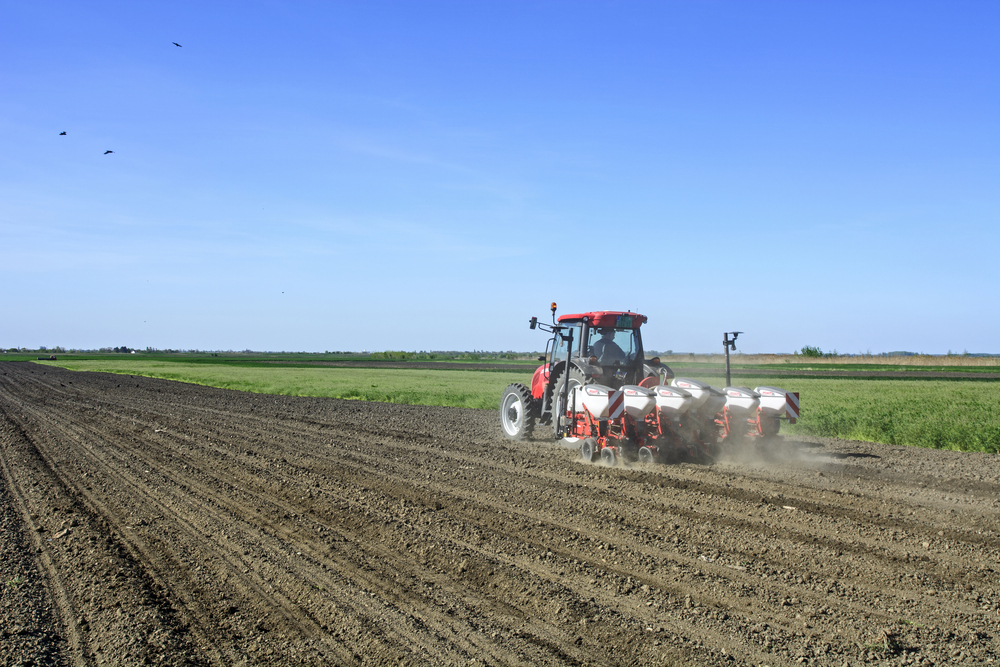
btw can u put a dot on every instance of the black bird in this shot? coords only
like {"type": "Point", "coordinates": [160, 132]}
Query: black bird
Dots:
{"type": "Point", "coordinates": [62, 134]}
{"type": "Point", "coordinates": [175, 43]}
{"type": "Point", "coordinates": [106, 152]}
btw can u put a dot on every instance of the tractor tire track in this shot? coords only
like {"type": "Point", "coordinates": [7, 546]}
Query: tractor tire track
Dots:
{"type": "Point", "coordinates": [53, 586]}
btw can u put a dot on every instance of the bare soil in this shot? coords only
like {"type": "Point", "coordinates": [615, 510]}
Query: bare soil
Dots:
{"type": "Point", "coordinates": [144, 521]}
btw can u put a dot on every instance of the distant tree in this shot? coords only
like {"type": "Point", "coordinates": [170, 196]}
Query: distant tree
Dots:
{"type": "Point", "coordinates": [392, 354]}
{"type": "Point", "coordinates": [809, 351]}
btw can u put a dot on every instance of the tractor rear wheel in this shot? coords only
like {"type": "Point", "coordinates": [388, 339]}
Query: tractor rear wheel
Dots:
{"type": "Point", "coordinates": [517, 419]}
{"type": "Point", "coordinates": [589, 450]}
{"type": "Point", "coordinates": [576, 379]}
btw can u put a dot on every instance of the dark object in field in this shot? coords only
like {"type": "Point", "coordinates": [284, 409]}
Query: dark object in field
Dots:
{"type": "Point", "coordinates": [890, 641]}
{"type": "Point", "coordinates": [49, 358]}
{"type": "Point", "coordinates": [106, 152]}
{"type": "Point", "coordinates": [175, 43]}
{"type": "Point", "coordinates": [62, 134]}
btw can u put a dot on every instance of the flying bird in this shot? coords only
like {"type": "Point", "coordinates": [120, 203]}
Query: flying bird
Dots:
{"type": "Point", "coordinates": [61, 134]}
{"type": "Point", "coordinates": [106, 152]}
{"type": "Point", "coordinates": [175, 43]}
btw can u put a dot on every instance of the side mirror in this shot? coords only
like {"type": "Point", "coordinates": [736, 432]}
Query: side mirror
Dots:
{"type": "Point", "coordinates": [541, 358]}
{"type": "Point", "coordinates": [533, 322]}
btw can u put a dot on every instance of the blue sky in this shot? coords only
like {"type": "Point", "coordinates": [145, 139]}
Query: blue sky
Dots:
{"type": "Point", "coordinates": [429, 175]}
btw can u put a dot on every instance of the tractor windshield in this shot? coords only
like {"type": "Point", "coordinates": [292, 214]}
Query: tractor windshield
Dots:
{"type": "Point", "coordinates": [611, 345]}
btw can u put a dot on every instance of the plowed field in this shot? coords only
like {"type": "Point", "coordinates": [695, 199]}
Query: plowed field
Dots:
{"type": "Point", "coordinates": [145, 521]}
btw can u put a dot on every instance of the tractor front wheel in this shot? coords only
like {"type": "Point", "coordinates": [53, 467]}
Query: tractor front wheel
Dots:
{"type": "Point", "coordinates": [517, 419]}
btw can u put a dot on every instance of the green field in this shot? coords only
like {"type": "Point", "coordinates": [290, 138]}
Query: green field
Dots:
{"type": "Point", "coordinates": [962, 415]}
{"type": "Point", "coordinates": [467, 389]}
{"type": "Point", "coordinates": [948, 414]}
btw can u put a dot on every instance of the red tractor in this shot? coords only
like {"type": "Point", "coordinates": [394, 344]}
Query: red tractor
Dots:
{"type": "Point", "coordinates": [598, 390]}
{"type": "Point", "coordinates": [591, 357]}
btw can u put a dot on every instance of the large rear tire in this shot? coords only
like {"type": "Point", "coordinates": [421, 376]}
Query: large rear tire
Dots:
{"type": "Point", "coordinates": [517, 418]}
{"type": "Point", "coordinates": [576, 379]}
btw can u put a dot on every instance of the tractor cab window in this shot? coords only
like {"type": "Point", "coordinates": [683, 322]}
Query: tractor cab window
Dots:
{"type": "Point", "coordinates": [559, 353]}
{"type": "Point", "coordinates": [611, 345]}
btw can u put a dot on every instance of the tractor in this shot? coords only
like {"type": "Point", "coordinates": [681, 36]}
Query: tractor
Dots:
{"type": "Point", "coordinates": [600, 348]}
{"type": "Point", "coordinates": [596, 390]}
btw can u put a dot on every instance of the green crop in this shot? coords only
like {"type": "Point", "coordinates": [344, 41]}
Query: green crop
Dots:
{"type": "Point", "coordinates": [961, 415]}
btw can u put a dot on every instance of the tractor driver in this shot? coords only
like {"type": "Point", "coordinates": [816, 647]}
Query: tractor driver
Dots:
{"type": "Point", "coordinates": [606, 349]}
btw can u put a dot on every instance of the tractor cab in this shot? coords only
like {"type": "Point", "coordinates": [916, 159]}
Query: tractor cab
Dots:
{"type": "Point", "coordinates": [608, 346]}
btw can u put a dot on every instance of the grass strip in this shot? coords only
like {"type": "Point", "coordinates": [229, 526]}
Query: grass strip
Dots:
{"type": "Point", "coordinates": [457, 388]}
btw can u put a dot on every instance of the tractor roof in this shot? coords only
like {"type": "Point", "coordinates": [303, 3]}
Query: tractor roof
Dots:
{"type": "Point", "coordinates": [606, 318]}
